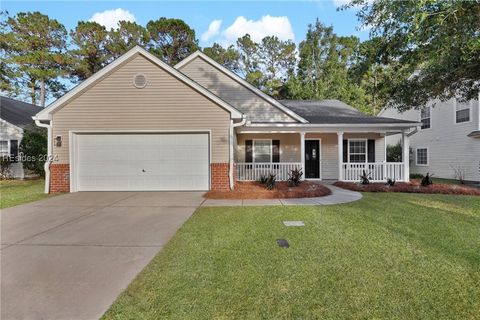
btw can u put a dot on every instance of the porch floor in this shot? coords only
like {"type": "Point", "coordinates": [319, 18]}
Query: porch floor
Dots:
{"type": "Point", "coordinates": [338, 196]}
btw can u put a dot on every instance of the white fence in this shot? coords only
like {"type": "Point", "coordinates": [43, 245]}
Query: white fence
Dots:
{"type": "Point", "coordinates": [380, 171]}
{"type": "Point", "coordinates": [253, 171]}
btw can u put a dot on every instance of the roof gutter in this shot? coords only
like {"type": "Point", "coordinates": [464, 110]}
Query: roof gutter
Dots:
{"type": "Point", "coordinates": [346, 125]}
{"type": "Point", "coordinates": [231, 135]}
{"type": "Point", "coordinates": [49, 151]}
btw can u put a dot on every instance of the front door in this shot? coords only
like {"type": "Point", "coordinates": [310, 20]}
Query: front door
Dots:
{"type": "Point", "coordinates": [312, 159]}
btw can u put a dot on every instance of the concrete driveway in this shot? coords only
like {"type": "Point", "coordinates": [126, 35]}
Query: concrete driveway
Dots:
{"type": "Point", "coordinates": [70, 256]}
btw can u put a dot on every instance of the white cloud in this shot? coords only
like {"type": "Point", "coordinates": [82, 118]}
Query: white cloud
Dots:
{"type": "Point", "coordinates": [213, 30]}
{"type": "Point", "coordinates": [339, 3]}
{"type": "Point", "coordinates": [110, 18]}
{"type": "Point", "coordinates": [257, 29]}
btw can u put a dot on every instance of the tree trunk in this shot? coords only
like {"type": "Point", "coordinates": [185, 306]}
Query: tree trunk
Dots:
{"type": "Point", "coordinates": [32, 91]}
{"type": "Point", "coordinates": [42, 93]}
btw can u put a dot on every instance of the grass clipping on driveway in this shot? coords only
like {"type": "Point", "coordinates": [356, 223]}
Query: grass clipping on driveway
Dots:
{"type": "Point", "coordinates": [386, 256]}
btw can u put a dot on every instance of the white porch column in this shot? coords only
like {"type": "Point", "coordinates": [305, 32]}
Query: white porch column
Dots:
{"type": "Point", "coordinates": [406, 155]}
{"type": "Point", "coordinates": [302, 152]}
{"type": "Point", "coordinates": [340, 155]}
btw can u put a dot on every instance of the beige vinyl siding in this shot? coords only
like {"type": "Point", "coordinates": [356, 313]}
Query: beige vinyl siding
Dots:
{"type": "Point", "coordinates": [243, 99]}
{"type": "Point", "coordinates": [448, 145]}
{"type": "Point", "coordinates": [166, 103]}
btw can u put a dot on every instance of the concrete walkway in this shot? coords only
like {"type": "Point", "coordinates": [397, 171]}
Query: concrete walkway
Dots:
{"type": "Point", "coordinates": [338, 196]}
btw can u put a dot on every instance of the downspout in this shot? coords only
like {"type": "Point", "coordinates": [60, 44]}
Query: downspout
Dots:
{"type": "Point", "coordinates": [49, 151]}
{"type": "Point", "coordinates": [232, 126]}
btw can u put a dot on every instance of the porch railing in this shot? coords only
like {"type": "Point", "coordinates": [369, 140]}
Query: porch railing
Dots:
{"type": "Point", "coordinates": [253, 171]}
{"type": "Point", "coordinates": [379, 171]}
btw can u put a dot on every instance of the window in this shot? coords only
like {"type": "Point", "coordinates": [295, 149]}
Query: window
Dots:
{"type": "Point", "coordinates": [422, 157]}
{"type": "Point", "coordinates": [262, 150]}
{"type": "Point", "coordinates": [425, 117]}
{"type": "Point", "coordinates": [462, 112]}
{"type": "Point", "coordinates": [357, 151]}
{"type": "Point", "coordinates": [4, 148]}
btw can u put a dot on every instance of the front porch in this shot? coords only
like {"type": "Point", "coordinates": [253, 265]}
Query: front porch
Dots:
{"type": "Point", "coordinates": [339, 156]}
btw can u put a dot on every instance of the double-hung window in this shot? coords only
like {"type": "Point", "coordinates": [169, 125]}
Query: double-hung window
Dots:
{"type": "Point", "coordinates": [425, 117]}
{"type": "Point", "coordinates": [462, 111]}
{"type": "Point", "coordinates": [262, 150]}
{"type": "Point", "coordinates": [357, 151]}
{"type": "Point", "coordinates": [422, 157]}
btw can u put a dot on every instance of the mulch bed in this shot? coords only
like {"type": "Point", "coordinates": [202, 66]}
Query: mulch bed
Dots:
{"type": "Point", "coordinates": [255, 190]}
{"type": "Point", "coordinates": [412, 187]}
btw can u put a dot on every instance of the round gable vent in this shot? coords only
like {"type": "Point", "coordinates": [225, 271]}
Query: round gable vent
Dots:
{"type": "Point", "coordinates": [140, 81]}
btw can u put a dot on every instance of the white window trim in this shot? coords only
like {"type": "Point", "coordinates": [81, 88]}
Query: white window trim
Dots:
{"type": "Point", "coordinates": [271, 150]}
{"type": "Point", "coordinates": [416, 157]}
{"type": "Point", "coordinates": [8, 147]}
{"type": "Point", "coordinates": [429, 117]}
{"type": "Point", "coordinates": [366, 150]}
{"type": "Point", "coordinates": [470, 107]}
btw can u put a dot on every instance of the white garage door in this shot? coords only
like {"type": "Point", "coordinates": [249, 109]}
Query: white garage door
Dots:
{"type": "Point", "coordinates": [141, 162]}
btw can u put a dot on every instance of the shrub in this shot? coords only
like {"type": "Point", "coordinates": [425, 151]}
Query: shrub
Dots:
{"type": "Point", "coordinates": [459, 173]}
{"type": "Point", "coordinates": [34, 149]}
{"type": "Point", "coordinates": [5, 163]}
{"type": "Point", "coordinates": [294, 177]}
{"type": "Point", "coordinates": [394, 153]}
{"type": "Point", "coordinates": [427, 180]}
{"type": "Point", "coordinates": [365, 178]}
{"type": "Point", "coordinates": [390, 182]}
{"type": "Point", "coordinates": [416, 176]}
{"type": "Point", "coordinates": [268, 180]}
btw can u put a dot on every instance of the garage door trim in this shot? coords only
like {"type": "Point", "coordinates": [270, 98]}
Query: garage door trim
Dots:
{"type": "Point", "coordinates": [72, 134]}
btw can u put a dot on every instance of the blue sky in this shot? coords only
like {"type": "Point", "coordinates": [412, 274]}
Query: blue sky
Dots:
{"type": "Point", "coordinates": [226, 20]}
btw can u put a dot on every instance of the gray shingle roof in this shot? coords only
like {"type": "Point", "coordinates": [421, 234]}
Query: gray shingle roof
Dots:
{"type": "Point", "coordinates": [17, 112]}
{"type": "Point", "coordinates": [331, 111]}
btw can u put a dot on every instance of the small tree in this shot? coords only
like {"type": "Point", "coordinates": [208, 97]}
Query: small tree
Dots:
{"type": "Point", "coordinates": [34, 149]}
{"type": "Point", "coordinates": [394, 152]}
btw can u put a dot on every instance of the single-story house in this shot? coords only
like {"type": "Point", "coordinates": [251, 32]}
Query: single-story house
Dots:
{"type": "Point", "coordinates": [14, 117]}
{"type": "Point", "coordinates": [140, 124]}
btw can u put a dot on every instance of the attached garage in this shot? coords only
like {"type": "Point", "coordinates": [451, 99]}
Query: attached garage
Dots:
{"type": "Point", "coordinates": [140, 161]}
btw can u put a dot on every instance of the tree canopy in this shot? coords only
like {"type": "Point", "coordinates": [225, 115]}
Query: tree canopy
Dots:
{"type": "Point", "coordinates": [34, 48]}
{"type": "Point", "coordinates": [441, 39]}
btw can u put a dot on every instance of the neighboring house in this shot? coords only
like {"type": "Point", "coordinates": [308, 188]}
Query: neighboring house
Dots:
{"type": "Point", "coordinates": [14, 117]}
{"type": "Point", "coordinates": [448, 141]}
{"type": "Point", "coordinates": [139, 124]}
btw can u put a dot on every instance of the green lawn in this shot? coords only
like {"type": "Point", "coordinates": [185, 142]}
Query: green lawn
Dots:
{"type": "Point", "coordinates": [395, 256]}
{"type": "Point", "coordinates": [15, 192]}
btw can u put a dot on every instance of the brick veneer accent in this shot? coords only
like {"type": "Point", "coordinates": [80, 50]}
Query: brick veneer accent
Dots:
{"type": "Point", "coordinates": [219, 176]}
{"type": "Point", "coordinates": [59, 177]}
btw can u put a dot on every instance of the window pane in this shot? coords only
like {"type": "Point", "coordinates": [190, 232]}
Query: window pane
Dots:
{"type": "Point", "coordinates": [262, 150]}
{"type": "Point", "coordinates": [425, 113]}
{"type": "Point", "coordinates": [426, 123]}
{"type": "Point", "coordinates": [357, 150]}
{"type": "Point", "coordinates": [422, 157]}
{"type": "Point", "coordinates": [463, 115]}
{"type": "Point", "coordinates": [356, 158]}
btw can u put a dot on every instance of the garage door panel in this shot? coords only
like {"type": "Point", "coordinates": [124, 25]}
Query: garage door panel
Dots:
{"type": "Point", "coordinates": [142, 162]}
